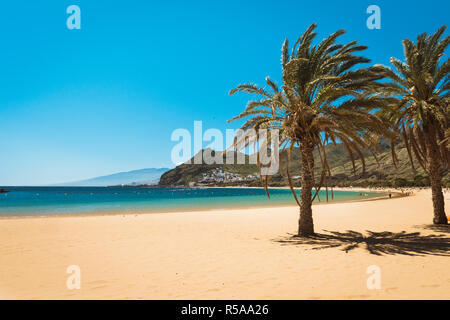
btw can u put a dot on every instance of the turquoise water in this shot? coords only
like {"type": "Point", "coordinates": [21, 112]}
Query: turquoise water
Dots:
{"type": "Point", "coordinates": [32, 201]}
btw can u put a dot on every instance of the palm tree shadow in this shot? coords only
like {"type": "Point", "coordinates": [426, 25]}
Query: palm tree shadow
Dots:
{"type": "Point", "coordinates": [443, 228]}
{"type": "Point", "coordinates": [377, 243]}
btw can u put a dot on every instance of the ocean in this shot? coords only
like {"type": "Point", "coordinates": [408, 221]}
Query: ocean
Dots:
{"type": "Point", "coordinates": [39, 201]}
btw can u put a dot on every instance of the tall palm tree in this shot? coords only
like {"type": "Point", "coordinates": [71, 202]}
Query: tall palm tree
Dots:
{"type": "Point", "coordinates": [324, 99]}
{"type": "Point", "coordinates": [422, 113]}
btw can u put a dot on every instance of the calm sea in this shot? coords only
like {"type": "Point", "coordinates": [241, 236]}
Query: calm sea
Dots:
{"type": "Point", "coordinates": [32, 201]}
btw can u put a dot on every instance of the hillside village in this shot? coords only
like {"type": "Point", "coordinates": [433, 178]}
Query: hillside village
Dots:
{"type": "Point", "coordinates": [217, 175]}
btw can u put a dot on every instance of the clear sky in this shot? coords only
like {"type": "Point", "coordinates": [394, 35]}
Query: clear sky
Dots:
{"type": "Point", "coordinates": [81, 103]}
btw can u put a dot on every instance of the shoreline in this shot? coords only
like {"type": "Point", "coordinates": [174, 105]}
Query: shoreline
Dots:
{"type": "Point", "coordinates": [395, 194]}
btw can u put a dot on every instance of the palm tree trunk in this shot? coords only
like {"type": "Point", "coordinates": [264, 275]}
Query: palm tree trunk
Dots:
{"type": "Point", "coordinates": [305, 222]}
{"type": "Point", "coordinates": [434, 165]}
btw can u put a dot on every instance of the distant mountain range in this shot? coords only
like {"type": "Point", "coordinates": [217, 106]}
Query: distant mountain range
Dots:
{"type": "Point", "coordinates": [149, 176]}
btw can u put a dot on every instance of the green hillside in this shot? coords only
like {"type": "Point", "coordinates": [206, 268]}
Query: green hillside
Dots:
{"type": "Point", "coordinates": [384, 174]}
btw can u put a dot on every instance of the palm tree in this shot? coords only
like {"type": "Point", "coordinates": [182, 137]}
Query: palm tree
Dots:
{"type": "Point", "coordinates": [422, 112]}
{"type": "Point", "coordinates": [324, 99]}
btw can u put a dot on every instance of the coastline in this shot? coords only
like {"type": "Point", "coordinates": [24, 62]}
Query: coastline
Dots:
{"type": "Point", "coordinates": [224, 254]}
{"type": "Point", "coordinates": [395, 194]}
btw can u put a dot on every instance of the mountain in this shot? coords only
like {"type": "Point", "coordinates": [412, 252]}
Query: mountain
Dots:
{"type": "Point", "coordinates": [383, 173]}
{"type": "Point", "coordinates": [187, 173]}
{"type": "Point", "coordinates": [135, 177]}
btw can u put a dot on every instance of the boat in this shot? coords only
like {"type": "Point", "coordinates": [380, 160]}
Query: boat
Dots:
{"type": "Point", "coordinates": [3, 190]}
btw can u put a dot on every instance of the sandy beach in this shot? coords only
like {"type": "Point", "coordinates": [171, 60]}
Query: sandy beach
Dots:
{"type": "Point", "coordinates": [230, 254]}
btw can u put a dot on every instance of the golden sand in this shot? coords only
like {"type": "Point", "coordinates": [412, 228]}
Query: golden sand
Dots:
{"type": "Point", "coordinates": [227, 254]}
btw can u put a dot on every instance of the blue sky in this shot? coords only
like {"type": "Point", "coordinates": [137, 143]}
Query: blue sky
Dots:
{"type": "Point", "coordinates": [81, 103]}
